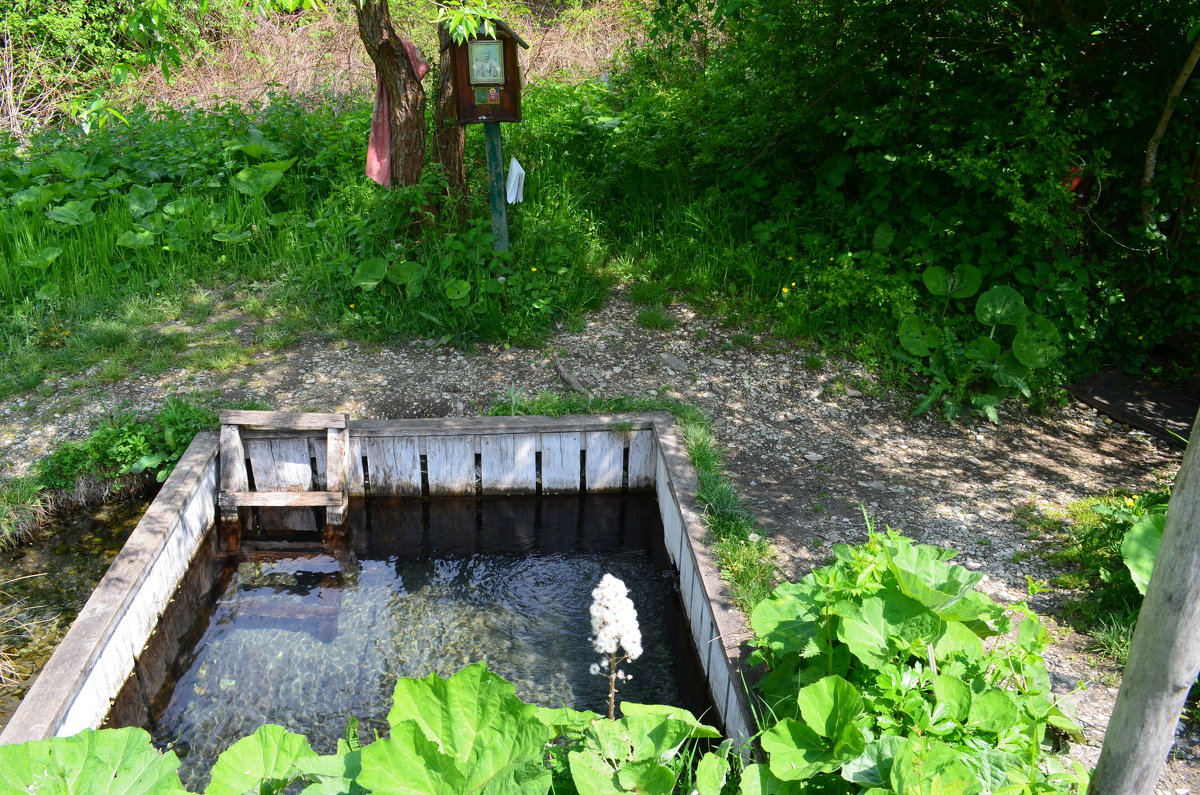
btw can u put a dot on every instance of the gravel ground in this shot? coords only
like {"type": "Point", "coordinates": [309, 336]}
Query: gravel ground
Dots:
{"type": "Point", "coordinates": [809, 441]}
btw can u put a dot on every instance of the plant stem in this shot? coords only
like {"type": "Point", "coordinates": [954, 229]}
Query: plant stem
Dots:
{"type": "Point", "coordinates": [612, 686]}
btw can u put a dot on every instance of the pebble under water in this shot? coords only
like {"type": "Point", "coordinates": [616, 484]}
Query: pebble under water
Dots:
{"type": "Point", "coordinates": [307, 641]}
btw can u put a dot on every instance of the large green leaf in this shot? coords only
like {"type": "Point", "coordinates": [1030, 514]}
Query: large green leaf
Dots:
{"type": "Point", "coordinates": [258, 180]}
{"type": "Point", "coordinates": [1037, 343]}
{"type": "Point", "coordinates": [33, 198]}
{"type": "Point", "coordinates": [786, 620]}
{"type": "Point", "coordinates": [72, 165]}
{"type": "Point", "coordinates": [73, 213]}
{"type": "Point", "coordinates": [1140, 546]}
{"type": "Point", "coordinates": [268, 755]}
{"type": "Point", "coordinates": [107, 762]}
{"type": "Point", "coordinates": [1001, 305]}
{"type": "Point", "coordinates": [871, 626]}
{"type": "Point", "coordinates": [369, 273]}
{"type": "Point", "coordinates": [41, 259]}
{"type": "Point", "coordinates": [476, 719]}
{"type": "Point", "coordinates": [757, 779]}
{"type": "Point", "coordinates": [874, 766]}
{"type": "Point", "coordinates": [409, 763]}
{"type": "Point", "coordinates": [796, 752]}
{"type": "Point", "coordinates": [141, 201]}
{"type": "Point", "coordinates": [256, 145]}
{"type": "Point", "coordinates": [962, 283]}
{"type": "Point", "coordinates": [929, 766]}
{"type": "Point", "coordinates": [914, 336]}
{"type": "Point", "coordinates": [829, 705]}
{"type": "Point", "coordinates": [711, 774]}
{"type": "Point", "coordinates": [992, 711]}
{"type": "Point", "coordinates": [953, 697]}
{"type": "Point", "coordinates": [135, 238]}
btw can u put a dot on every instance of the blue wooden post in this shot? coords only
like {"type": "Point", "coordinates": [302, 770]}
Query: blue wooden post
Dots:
{"type": "Point", "coordinates": [496, 186]}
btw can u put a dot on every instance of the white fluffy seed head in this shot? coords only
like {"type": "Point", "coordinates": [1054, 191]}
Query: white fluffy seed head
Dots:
{"type": "Point", "coordinates": [614, 619]}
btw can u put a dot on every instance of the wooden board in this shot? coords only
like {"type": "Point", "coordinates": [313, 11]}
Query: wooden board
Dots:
{"type": "Point", "coordinates": [282, 420]}
{"type": "Point", "coordinates": [641, 459]}
{"type": "Point", "coordinates": [1163, 412]}
{"type": "Point", "coordinates": [560, 462]}
{"type": "Point", "coordinates": [508, 464]}
{"type": "Point", "coordinates": [280, 499]}
{"type": "Point", "coordinates": [451, 464]}
{"type": "Point", "coordinates": [605, 461]}
{"type": "Point", "coordinates": [394, 465]}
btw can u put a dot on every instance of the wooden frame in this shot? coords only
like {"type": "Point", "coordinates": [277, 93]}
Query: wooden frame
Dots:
{"type": "Point", "coordinates": [99, 656]}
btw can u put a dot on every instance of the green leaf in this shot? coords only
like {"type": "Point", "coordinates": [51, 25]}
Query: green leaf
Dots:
{"type": "Point", "coordinates": [135, 238]}
{"type": "Point", "coordinates": [1037, 343]}
{"type": "Point", "coordinates": [369, 273]}
{"type": "Point", "coordinates": [42, 258]}
{"type": "Point", "coordinates": [646, 776]}
{"type": "Point", "coordinates": [563, 720]}
{"type": "Point", "coordinates": [711, 774]}
{"type": "Point", "coordinates": [72, 165]}
{"type": "Point", "coordinates": [457, 289]}
{"type": "Point", "coordinates": [404, 272]}
{"type": "Point", "coordinates": [830, 706]}
{"type": "Point", "coordinates": [116, 761]}
{"type": "Point", "coordinates": [270, 754]}
{"type": "Point", "coordinates": [1001, 305]}
{"type": "Point", "coordinates": [953, 697]}
{"type": "Point", "coordinates": [1140, 547]}
{"type": "Point", "coordinates": [786, 620]}
{"type": "Point", "coordinates": [256, 145]}
{"type": "Point", "coordinates": [257, 181]}
{"type": "Point", "coordinates": [992, 710]}
{"type": "Point", "coordinates": [409, 763]}
{"type": "Point", "coordinates": [33, 198]}
{"type": "Point", "coordinates": [73, 213]}
{"type": "Point", "coordinates": [871, 627]}
{"type": "Point", "coordinates": [476, 719]}
{"type": "Point", "coordinates": [757, 779]}
{"type": "Point", "coordinates": [181, 206]}
{"type": "Point", "coordinates": [913, 336]}
{"type": "Point", "coordinates": [141, 201]}
{"type": "Point", "coordinates": [874, 766]}
{"type": "Point", "coordinates": [937, 280]}
{"type": "Point", "coordinates": [883, 237]}
{"type": "Point", "coordinates": [929, 766]}
{"type": "Point", "coordinates": [797, 752]}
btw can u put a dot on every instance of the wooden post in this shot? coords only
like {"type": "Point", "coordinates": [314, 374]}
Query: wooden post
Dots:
{"type": "Point", "coordinates": [496, 187]}
{"type": "Point", "coordinates": [1165, 657]}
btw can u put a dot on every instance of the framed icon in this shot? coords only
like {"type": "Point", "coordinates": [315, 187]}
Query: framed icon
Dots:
{"type": "Point", "coordinates": [486, 63]}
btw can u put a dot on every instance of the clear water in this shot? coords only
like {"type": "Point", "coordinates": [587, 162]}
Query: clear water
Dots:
{"type": "Point", "coordinates": [308, 640]}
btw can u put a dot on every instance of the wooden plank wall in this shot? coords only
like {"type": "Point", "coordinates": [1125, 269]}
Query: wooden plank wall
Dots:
{"type": "Point", "coordinates": [87, 671]}
{"type": "Point", "coordinates": [717, 629]}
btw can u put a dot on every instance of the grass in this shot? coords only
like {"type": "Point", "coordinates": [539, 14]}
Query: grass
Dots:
{"type": "Point", "coordinates": [744, 556]}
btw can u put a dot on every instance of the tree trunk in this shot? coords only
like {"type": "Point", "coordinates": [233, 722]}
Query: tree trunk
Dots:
{"type": "Point", "coordinates": [404, 90]}
{"type": "Point", "coordinates": [449, 137]}
{"type": "Point", "coordinates": [1161, 130]}
{"type": "Point", "coordinates": [1165, 657]}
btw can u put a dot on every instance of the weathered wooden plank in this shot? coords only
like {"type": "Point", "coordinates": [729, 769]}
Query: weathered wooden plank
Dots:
{"type": "Point", "coordinates": [472, 426]}
{"type": "Point", "coordinates": [356, 482]}
{"type": "Point", "coordinates": [451, 464]}
{"type": "Point", "coordinates": [318, 451]}
{"type": "Point", "coordinates": [508, 464]}
{"type": "Point", "coordinates": [282, 420]}
{"type": "Point", "coordinates": [292, 470]}
{"type": "Point", "coordinates": [279, 499]}
{"type": "Point", "coordinates": [337, 470]}
{"type": "Point", "coordinates": [560, 461]}
{"type": "Point", "coordinates": [641, 459]}
{"type": "Point", "coordinates": [112, 613]}
{"type": "Point", "coordinates": [394, 464]}
{"type": "Point", "coordinates": [233, 466]}
{"type": "Point", "coordinates": [605, 460]}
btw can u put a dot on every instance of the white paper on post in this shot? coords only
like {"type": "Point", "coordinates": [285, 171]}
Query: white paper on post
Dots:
{"type": "Point", "coordinates": [516, 182]}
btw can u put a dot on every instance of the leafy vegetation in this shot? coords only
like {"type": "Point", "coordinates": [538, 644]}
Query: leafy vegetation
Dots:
{"type": "Point", "coordinates": [880, 680]}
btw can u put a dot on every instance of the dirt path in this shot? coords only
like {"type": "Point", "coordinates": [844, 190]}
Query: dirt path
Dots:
{"type": "Point", "coordinates": [808, 440]}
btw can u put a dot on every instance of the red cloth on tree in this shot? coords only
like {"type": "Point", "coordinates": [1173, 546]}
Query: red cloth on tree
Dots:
{"type": "Point", "coordinates": [379, 142]}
